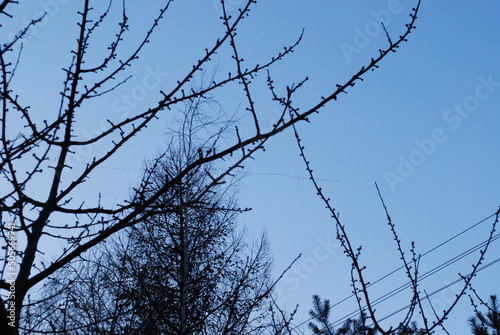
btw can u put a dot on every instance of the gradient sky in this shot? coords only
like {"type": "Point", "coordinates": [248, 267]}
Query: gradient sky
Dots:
{"type": "Point", "coordinates": [424, 126]}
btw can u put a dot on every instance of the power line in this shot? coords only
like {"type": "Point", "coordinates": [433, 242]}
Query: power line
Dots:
{"type": "Point", "coordinates": [376, 302]}
{"type": "Point", "coordinates": [426, 275]}
{"type": "Point", "coordinates": [442, 288]}
{"type": "Point", "coordinates": [424, 254]}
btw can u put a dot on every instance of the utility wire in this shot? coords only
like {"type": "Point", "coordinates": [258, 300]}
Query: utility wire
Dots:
{"type": "Point", "coordinates": [442, 288]}
{"type": "Point", "coordinates": [424, 254]}
{"type": "Point", "coordinates": [424, 276]}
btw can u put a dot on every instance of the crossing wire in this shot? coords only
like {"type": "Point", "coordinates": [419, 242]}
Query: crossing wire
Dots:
{"type": "Point", "coordinates": [424, 254]}
{"type": "Point", "coordinates": [426, 275]}
{"type": "Point", "coordinates": [441, 289]}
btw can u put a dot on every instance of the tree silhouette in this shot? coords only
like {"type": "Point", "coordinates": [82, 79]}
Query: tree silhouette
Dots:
{"type": "Point", "coordinates": [41, 198]}
{"type": "Point", "coordinates": [185, 270]}
{"type": "Point", "coordinates": [321, 314]}
{"type": "Point", "coordinates": [360, 284]}
{"type": "Point", "coordinates": [489, 323]}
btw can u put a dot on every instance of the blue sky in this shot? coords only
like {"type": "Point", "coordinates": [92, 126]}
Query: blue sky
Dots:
{"type": "Point", "coordinates": [424, 127]}
{"type": "Point", "coordinates": [404, 120]}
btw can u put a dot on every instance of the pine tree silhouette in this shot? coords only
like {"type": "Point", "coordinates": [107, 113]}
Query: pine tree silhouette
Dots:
{"type": "Point", "coordinates": [321, 313]}
{"type": "Point", "coordinates": [489, 323]}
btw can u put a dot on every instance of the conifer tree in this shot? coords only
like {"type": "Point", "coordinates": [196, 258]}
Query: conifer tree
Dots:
{"type": "Point", "coordinates": [487, 323]}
